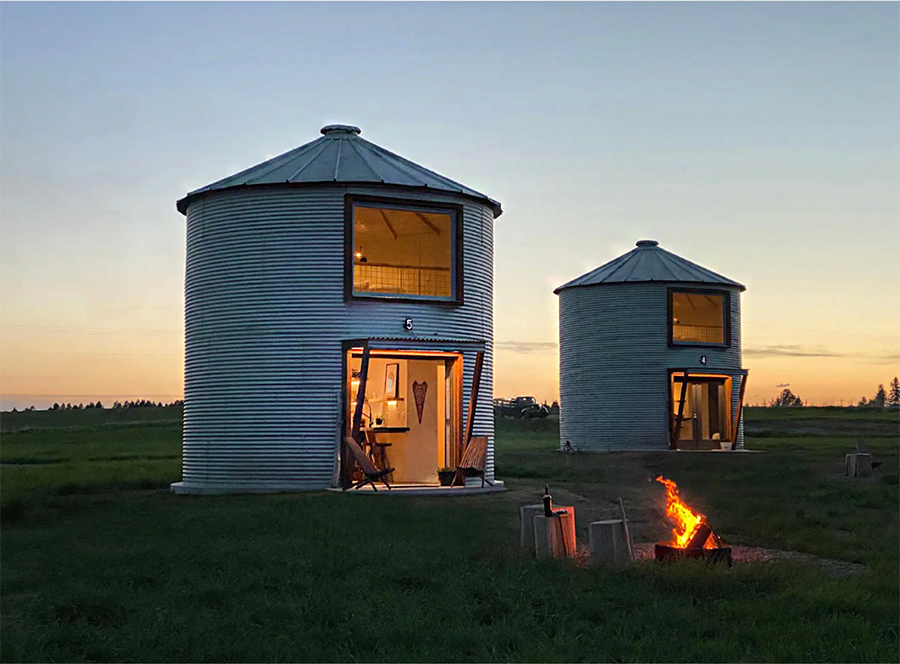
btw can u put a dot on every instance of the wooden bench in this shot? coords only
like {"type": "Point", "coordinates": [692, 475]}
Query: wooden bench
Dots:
{"type": "Point", "coordinates": [473, 461]}
{"type": "Point", "coordinates": [372, 474]}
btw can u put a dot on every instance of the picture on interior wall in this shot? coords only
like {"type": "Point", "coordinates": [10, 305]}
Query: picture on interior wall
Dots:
{"type": "Point", "coordinates": [419, 390]}
{"type": "Point", "coordinates": [391, 384]}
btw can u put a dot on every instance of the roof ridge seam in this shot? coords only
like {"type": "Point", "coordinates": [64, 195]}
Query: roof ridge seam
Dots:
{"type": "Point", "coordinates": [409, 172]}
{"type": "Point", "coordinates": [278, 162]}
{"type": "Point", "coordinates": [700, 271]}
{"type": "Point", "coordinates": [308, 161]}
{"type": "Point", "coordinates": [633, 263]}
{"type": "Point", "coordinates": [670, 270]}
{"type": "Point", "coordinates": [337, 161]}
{"type": "Point", "coordinates": [236, 176]}
{"type": "Point", "coordinates": [461, 188]}
{"type": "Point", "coordinates": [671, 259]}
{"type": "Point", "coordinates": [365, 160]}
{"type": "Point", "coordinates": [622, 261]}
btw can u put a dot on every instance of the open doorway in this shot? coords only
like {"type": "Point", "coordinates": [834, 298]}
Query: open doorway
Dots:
{"type": "Point", "coordinates": [411, 412]}
{"type": "Point", "coordinates": [700, 410]}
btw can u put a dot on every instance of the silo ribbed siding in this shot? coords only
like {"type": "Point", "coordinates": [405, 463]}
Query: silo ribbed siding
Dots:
{"type": "Point", "coordinates": [612, 368]}
{"type": "Point", "coordinates": [265, 318]}
{"type": "Point", "coordinates": [614, 361]}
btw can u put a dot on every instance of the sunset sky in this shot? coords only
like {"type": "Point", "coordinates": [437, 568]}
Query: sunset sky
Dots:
{"type": "Point", "coordinates": [760, 140]}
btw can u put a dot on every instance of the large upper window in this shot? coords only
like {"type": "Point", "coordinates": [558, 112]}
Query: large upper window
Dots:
{"type": "Point", "coordinates": [404, 251]}
{"type": "Point", "coordinates": [698, 317]}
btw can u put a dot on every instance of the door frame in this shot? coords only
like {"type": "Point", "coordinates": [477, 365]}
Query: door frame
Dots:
{"type": "Point", "coordinates": [455, 357]}
{"type": "Point", "coordinates": [687, 377]}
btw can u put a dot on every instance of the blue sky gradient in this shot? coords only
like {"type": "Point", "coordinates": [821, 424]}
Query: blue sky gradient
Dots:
{"type": "Point", "coordinates": [761, 140]}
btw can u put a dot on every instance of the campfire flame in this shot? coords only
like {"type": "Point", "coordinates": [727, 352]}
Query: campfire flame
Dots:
{"type": "Point", "coordinates": [686, 520]}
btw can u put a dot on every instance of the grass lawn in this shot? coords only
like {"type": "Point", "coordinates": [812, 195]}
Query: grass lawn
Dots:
{"type": "Point", "coordinates": [100, 562]}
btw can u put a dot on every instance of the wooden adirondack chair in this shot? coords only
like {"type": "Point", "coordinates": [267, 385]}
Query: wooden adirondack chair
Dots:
{"type": "Point", "coordinates": [372, 474]}
{"type": "Point", "coordinates": [473, 461]}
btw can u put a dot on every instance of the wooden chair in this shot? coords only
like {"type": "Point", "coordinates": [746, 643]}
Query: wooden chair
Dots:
{"type": "Point", "coordinates": [863, 448]}
{"type": "Point", "coordinates": [472, 464]}
{"type": "Point", "coordinates": [378, 452]}
{"type": "Point", "coordinates": [372, 474]}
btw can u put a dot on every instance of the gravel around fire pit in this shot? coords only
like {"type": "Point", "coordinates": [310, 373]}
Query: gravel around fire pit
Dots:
{"type": "Point", "coordinates": [749, 554]}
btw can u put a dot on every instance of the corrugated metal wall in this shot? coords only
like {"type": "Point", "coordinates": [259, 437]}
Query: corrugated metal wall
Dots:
{"type": "Point", "coordinates": [613, 365]}
{"type": "Point", "coordinates": [265, 317]}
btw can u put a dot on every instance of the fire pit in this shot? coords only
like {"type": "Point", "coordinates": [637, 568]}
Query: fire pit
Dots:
{"type": "Point", "coordinates": [666, 553]}
{"type": "Point", "coordinates": [693, 536]}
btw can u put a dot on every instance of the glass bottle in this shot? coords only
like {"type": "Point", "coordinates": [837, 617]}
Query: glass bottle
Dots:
{"type": "Point", "coordinates": [548, 502]}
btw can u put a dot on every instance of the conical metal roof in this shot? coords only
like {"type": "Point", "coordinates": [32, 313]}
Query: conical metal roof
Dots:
{"type": "Point", "coordinates": [341, 155]}
{"type": "Point", "coordinates": [649, 262]}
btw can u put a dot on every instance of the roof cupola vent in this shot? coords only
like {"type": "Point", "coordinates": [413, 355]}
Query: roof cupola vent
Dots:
{"type": "Point", "coordinates": [647, 243]}
{"type": "Point", "coordinates": [339, 129]}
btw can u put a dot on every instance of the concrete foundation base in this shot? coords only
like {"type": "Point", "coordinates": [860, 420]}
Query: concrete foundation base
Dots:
{"type": "Point", "coordinates": [183, 488]}
{"type": "Point", "coordinates": [396, 489]}
{"type": "Point", "coordinates": [427, 490]}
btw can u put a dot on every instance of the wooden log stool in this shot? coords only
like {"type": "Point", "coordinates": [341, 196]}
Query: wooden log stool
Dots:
{"type": "Point", "coordinates": [608, 543]}
{"type": "Point", "coordinates": [554, 536]}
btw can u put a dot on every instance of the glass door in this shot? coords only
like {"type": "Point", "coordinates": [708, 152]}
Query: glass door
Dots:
{"type": "Point", "coordinates": [705, 415]}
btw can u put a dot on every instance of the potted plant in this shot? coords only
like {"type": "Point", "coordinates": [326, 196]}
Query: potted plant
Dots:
{"type": "Point", "coordinates": [446, 476]}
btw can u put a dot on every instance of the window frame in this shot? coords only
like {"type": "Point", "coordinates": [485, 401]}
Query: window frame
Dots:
{"type": "Point", "coordinates": [726, 317]}
{"type": "Point", "coordinates": [455, 210]}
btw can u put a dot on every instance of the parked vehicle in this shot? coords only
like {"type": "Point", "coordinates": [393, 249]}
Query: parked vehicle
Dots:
{"type": "Point", "coordinates": [520, 408]}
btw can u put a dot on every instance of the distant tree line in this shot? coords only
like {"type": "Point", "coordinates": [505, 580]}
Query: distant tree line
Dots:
{"type": "Point", "coordinates": [143, 403]}
{"type": "Point", "coordinates": [139, 403]}
{"type": "Point", "coordinates": [786, 399]}
{"type": "Point", "coordinates": [77, 406]}
{"type": "Point", "coordinates": [882, 399]}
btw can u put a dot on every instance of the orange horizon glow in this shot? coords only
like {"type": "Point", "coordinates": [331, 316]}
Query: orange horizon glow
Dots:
{"type": "Point", "coordinates": [40, 368]}
{"type": "Point", "coordinates": [819, 382]}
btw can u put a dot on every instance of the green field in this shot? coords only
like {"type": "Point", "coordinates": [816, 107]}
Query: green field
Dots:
{"type": "Point", "coordinates": [101, 563]}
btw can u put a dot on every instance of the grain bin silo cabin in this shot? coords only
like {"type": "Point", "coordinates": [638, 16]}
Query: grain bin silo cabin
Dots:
{"type": "Point", "coordinates": [335, 290]}
{"type": "Point", "coordinates": [650, 356]}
